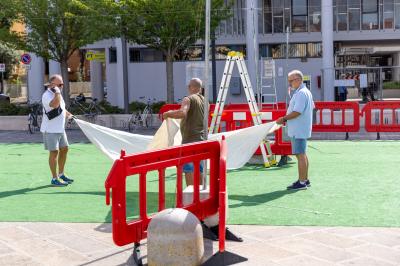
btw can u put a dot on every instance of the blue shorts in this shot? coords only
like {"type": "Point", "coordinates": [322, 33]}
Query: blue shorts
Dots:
{"type": "Point", "coordinates": [298, 146]}
{"type": "Point", "coordinates": [189, 168]}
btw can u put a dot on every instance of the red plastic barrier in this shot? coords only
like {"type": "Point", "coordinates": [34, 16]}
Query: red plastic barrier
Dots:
{"type": "Point", "coordinates": [336, 108]}
{"type": "Point", "coordinates": [141, 163]}
{"type": "Point", "coordinates": [382, 122]}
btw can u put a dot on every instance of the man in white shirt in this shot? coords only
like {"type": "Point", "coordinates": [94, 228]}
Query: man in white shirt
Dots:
{"type": "Point", "coordinates": [53, 129]}
{"type": "Point", "coordinates": [299, 122]}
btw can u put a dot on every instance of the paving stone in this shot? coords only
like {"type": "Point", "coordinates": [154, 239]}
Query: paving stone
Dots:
{"type": "Point", "coordinates": [47, 252]}
{"type": "Point", "coordinates": [365, 262]}
{"type": "Point", "coordinates": [91, 229]}
{"type": "Point", "coordinates": [18, 260]}
{"type": "Point", "coordinates": [332, 239]}
{"type": "Point", "coordinates": [382, 238]}
{"type": "Point", "coordinates": [350, 231]}
{"type": "Point", "coordinates": [5, 249]}
{"type": "Point", "coordinates": [15, 233]}
{"type": "Point", "coordinates": [262, 251]}
{"type": "Point", "coordinates": [314, 249]}
{"type": "Point", "coordinates": [387, 254]}
{"type": "Point", "coordinates": [276, 232]}
{"type": "Point", "coordinates": [304, 261]}
{"type": "Point", "coordinates": [80, 243]}
{"type": "Point", "coordinates": [45, 229]}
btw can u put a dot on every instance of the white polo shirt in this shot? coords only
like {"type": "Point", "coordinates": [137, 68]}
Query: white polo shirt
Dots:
{"type": "Point", "coordinates": [57, 124]}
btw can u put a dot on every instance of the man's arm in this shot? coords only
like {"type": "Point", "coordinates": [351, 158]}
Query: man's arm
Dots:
{"type": "Point", "coordinates": [285, 118]}
{"type": "Point", "coordinates": [181, 113]}
{"type": "Point", "coordinates": [57, 98]}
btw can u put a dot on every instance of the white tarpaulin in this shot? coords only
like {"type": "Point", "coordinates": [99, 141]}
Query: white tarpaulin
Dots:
{"type": "Point", "coordinates": [241, 143]}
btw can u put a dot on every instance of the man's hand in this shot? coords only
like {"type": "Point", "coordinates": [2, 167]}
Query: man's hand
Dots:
{"type": "Point", "coordinates": [165, 115]}
{"type": "Point", "coordinates": [69, 115]}
{"type": "Point", "coordinates": [57, 90]}
{"type": "Point", "coordinates": [280, 121]}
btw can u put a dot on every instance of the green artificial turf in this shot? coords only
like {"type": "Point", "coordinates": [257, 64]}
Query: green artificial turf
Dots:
{"type": "Point", "coordinates": [354, 183]}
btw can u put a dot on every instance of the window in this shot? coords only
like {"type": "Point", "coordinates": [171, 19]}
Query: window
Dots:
{"type": "Point", "coordinates": [134, 55]}
{"type": "Point", "coordinates": [341, 6]}
{"type": "Point", "coordinates": [267, 9]}
{"type": "Point", "coordinates": [235, 25]}
{"type": "Point", "coordinates": [314, 50]}
{"type": "Point", "coordinates": [296, 50]}
{"type": "Point", "coordinates": [112, 55]}
{"type": "Point", "coordinates": [277, 10]}
{"type": "Point", "coordinates": [314, 15]}
{"type": "Point", "coordinates": [354, 14]}
{"type": "Point", "coordinates": [145, 55]}
{"type": "Point", "coordinates": [397, 14]}
{"type": "Point", "coordinates": [299, 15]}
{"type": "Point", "coordinates": [388, 14]}
{"type": "Point", "coordinates": [369, 14]}
{"type": "Point", "coordinates": [223, 50]}
{"type": "Point", "coordinates": [194, 53]}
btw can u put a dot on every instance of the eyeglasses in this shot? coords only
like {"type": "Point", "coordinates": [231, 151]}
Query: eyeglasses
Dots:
{"type": "Point", "coordinates": [290, 80]}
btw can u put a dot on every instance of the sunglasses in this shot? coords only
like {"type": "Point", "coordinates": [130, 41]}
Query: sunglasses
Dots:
{"type": "Point", "coordinates": [290, 80]}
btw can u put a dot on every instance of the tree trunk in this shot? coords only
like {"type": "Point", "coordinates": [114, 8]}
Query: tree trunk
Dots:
{"type": "Point", "coordinates": [170, 78]}
{"type": "Point", "coordinates": [65, 76]}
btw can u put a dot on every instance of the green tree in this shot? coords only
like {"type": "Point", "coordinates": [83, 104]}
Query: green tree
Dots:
{"type": "Point", "coordinates": [8, 56]}
{"type": "Point", "coordinates": [55, 29]}
{"type": "Point", "coordinates": [168, 26]}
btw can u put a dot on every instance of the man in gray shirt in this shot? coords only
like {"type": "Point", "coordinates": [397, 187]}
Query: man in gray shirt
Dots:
{"type": "Point", "coordinates": [299, 122]}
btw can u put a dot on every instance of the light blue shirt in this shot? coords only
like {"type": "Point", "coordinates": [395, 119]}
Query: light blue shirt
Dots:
{"type": "Point", "coordinates": [301, 102]}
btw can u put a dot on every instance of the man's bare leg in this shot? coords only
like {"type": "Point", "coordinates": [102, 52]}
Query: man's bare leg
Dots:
{"type": "Point", "coordinates": [62, 158]}
{"type": "Point", "coordinates": [53, 163]}
{"type": "Point", "coordinates": [302, 166]}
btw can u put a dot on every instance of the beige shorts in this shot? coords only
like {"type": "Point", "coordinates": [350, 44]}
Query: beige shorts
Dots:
{"type": "Point", "coordinates": [55, 141]}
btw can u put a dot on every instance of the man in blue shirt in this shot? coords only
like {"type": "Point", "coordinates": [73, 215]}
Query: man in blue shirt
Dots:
{"type": "Point", "coordinates": [299, 122]}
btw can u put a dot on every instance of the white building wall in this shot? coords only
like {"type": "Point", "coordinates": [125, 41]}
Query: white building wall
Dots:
{"type": "Point", "coordinates": [149, 79]}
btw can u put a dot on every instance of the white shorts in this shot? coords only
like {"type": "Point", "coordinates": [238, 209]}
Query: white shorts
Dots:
{"type": "Point", "coordinates": [55, 141]}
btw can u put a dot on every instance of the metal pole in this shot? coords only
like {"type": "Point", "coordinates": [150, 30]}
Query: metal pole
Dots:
{"type": "Point", "coordinates": [256, 58]}
{"type": "Point", "coordinates": [206, 74]}
{"type": "Point", "coordinates": [214, 67]}
{"type": "Point", "coordinates": [125, 75]}
{"type": "Point", "coordinates": [287, 65]}
{"type": "Point", "coordinates": [206, 69]}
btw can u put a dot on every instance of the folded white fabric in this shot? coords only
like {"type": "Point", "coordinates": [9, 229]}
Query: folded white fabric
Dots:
{"type": "Point", "coordinates": [241, 143]}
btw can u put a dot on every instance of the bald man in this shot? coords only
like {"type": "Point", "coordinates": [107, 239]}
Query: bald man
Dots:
{"type": "Point", "coordinates": [53, 129]}
{"type": "Point", "coordinates": [192, 115]}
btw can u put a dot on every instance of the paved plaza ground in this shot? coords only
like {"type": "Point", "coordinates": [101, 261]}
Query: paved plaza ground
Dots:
{"type": "Point", "coordinates": [61, 243]}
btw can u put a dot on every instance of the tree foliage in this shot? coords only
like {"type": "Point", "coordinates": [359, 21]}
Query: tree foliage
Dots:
{"type": "Point", "coordinates": [55, 29]}
{"type": "Point", "coordinates": [168, 26]}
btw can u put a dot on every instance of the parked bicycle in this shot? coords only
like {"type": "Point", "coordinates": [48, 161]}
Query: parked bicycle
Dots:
{"type": "Point", "coordinates": [90, 110]}
{"type": "Point", "coordinates": [143, 118]}
{"type": "Point", "coordinates": [35, 117]}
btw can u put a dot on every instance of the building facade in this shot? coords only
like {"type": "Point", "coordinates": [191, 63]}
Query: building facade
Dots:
{"type": "Point", "coordinates": [326, 39]}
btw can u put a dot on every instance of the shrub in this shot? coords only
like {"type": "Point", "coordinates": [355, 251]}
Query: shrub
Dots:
{"type": "Point", "coordinates": [13, 109]}
{"type": "Point", "coordinates": [391, 85]}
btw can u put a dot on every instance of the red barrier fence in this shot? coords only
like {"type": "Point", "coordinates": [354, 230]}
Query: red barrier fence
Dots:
{"type": "Point", "coordinates": [138, 165]}
{"type": "Point", "coordinates": [343, 117]}
{"type": "Point", "coordinates": [382, 116]}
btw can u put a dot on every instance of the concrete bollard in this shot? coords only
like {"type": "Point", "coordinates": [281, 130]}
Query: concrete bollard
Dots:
{"type": "Point", "coordinates": [174, 237]}
{"type": "Point", "coordinates": [188, 199]}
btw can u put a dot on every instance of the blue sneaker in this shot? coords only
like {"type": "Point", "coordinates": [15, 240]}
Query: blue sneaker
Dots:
{"type": "Point", "coordinates": [308, 183]}
{"type": "Point", "coordinates": [297, 186]}
{"type": "Point", "coordinates": [66, 179]}
{"type": "Point", "coordinates": [56, 182]}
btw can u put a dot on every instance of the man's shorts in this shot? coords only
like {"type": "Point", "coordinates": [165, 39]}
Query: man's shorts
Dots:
{"type": "Point", "coordinates": [299, 146]}
{"type": "Point", "coordinates": [55, 141]}
{"type": "Point", "coordinates": [189, 168]}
